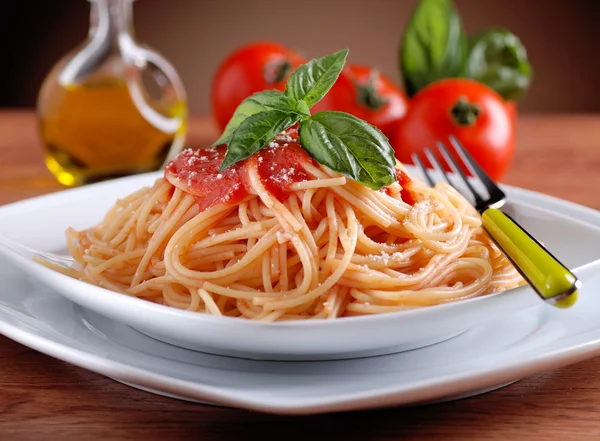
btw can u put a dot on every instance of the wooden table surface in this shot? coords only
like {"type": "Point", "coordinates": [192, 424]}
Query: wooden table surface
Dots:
{"type": "Point", "coordinates": [45, 399]}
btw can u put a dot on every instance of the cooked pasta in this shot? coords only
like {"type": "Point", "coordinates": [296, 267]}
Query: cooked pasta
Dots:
{"type": "Point", "coordinates": [305, 243]}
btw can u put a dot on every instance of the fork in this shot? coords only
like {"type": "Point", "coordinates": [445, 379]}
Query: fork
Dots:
{"type": "Point", "coordinates": [549, 278]}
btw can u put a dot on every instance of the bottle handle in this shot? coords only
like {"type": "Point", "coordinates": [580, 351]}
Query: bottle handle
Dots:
{"type": "Point", "coordinates": [136, 57]}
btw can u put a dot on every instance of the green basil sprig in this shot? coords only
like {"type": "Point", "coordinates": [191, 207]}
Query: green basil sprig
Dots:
{"type": "Point", "coordinates": [338, 140]}
{"type": "Point", "coordinates": [434, 45]}
{"type": "Point", "coordinates": [498, 58]}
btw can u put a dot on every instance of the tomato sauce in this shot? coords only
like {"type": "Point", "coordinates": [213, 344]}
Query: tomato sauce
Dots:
{"type": "Point", "coordinates": [279, 165]}
{"type": "Point", "coordinates": [197, 172]}
{"type": "Point", "coordinates": [404, 181]}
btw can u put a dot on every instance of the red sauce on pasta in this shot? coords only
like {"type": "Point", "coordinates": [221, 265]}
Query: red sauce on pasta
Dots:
{"type": "Point", "coordinates": [405, 182]}
{"type": "Point", "coordinates": [278, 165]}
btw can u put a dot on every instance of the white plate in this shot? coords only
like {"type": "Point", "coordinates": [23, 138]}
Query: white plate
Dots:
{"type": "Point", "coordinates": [40, 223]}
{"type": "Point", "coordinates": [479, 360]}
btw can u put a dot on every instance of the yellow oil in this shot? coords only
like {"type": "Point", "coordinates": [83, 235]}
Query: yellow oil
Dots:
{"type": "Point", "coordinates": [94, 131]}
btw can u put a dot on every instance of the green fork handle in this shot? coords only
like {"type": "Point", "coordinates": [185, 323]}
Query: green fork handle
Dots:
{"type": "Point", "coordinates": [552, 281]}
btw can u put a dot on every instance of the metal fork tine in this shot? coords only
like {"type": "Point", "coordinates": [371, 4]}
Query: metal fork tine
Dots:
{"type": "Point", "coordinates": [476, 170]}
{"type": "Point", "coordinates": [436, 164]}
{"type": "Point", "coordinates": [418, 163]}
{"type": "Point", "coordinates": [457, 170]}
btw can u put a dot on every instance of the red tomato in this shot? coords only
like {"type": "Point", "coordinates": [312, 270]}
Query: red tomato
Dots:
{"type": "Point", "coordinates": [475, 114]}
{"type": "Point", "coordinates": [369, 95]}
{"type": "Point", "coordinates": [250, 69]}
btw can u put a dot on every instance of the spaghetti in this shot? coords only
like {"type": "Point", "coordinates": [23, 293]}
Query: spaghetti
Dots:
{"type": "Point", "coordinates": [280, 237]}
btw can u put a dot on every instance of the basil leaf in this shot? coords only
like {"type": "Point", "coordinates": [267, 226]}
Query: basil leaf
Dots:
{"type": "Point", "coordinates": [498, 58]}
{"type": "Point", "coordinates": [350, 146]}
{"type": "Point", "coordinates": [258, 103]}
{"type": "Point", "coordinates": [255, 132]}
{"type": "Point", "coordinates": [311, 81]}
{"type": "Point", "coordinates": [302, 108]}
{"type": "Point", "coordinates": [434, 45]}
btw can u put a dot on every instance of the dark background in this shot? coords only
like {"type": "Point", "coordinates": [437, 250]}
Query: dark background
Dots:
{"type": "Point", "coordinates": [562, 38]}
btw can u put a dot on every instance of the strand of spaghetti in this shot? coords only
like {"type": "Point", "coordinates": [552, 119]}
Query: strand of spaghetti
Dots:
{"type": "Point", "coordinates": [428, 296]}
{"type": "Point", "coordinates": [362, 308]}
{"type": "Point", "coordinates": [333, 234]}
{"type": "Point", "coordinates": [130, 242]}
{"type": "Point", "coordinates": [118, 233]}
{"type": "Point", "coordinates": [255, 210]}
{"type": "Point", "coordinates": [274, 263]}
{"type": "Point", "coordinates": [198, 252]}
{"type": "Point", "coordinates": [174, 202]}
{"type": "Point", "coordinates": [318, 183]}
{"type": "Point", "coordinates": [261, 297]}
{"type": "Point", "coordinates": [266, 272]}
{"type": "Point", "coordinates": [287, 221]}
{"type": "Point", "coordinates": [103, 281]}
{"type": "Point", "coordinates": [249, 231]}
{"type": "Point", "coordinates": [382, 200]}
{"type": "Point", "coordinates": [177, 300]}
{"type": "Point", "coordinates": [153, 284]}
{"type": "Point", "coordinates": [269, 316]}
{"type": "Point", "coordinates": [118, 261]}
{"type": "Point", "coordinates": [161, 235]}
{"type": "Point", "coordinates": [304, 231]}
{"type": "Point", "coordinates": [365, 207]}
{"type": "Point", "coordinates": [209, 302]}
{"type": "Point", "coordinates": [72, 245]}
{"type": "Point", "coordinates": [160, 192]}
{"type": "Point", "coordinates": [382, 260]}
{"type": "Point", "coordinates": [125, 207]}
{"type": "Point", "coordinates": [414, 223]}
{"type": "Point", "coordinates": [203, 260]}
{"type": "Point", "coordinates": [243, 213]}
{"type": "Point", "coordinates": [319, 196]}
{"type": "Point", "coordinates": [401, 280]}
{"type": "Point", "coordinates": [71, 272]}
{"type": "Point", "coordinates": [283, 265]}
{"type": "Point", "coordinates": [331, 280]}
{"type": "Point", "coordinates": [308, 210]}
{"type": "Point", "coordinates": [197, 278]}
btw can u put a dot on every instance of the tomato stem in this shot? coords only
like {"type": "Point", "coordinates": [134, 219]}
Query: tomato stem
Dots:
{"type": "Point", "coordinates": [282, 70]}
{"type": "Point", "coordinates": [465, 113]}
{"type": "Point", "coordinates": [366, 93]}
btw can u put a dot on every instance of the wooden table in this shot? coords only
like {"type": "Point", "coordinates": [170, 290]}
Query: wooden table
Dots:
{"type": "Point", "coordinates": [45, 399]}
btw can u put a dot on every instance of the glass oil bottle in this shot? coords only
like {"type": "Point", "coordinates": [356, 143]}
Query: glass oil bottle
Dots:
{"type": "Point", "coordinates": [111, 107]}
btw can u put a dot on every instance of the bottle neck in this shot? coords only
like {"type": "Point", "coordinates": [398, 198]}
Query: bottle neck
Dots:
{"type": "Point", "coordinates": [111, 18]}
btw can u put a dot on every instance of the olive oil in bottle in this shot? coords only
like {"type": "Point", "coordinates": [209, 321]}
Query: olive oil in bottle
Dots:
{"type": "Point", "coordinates": [111, 108]}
